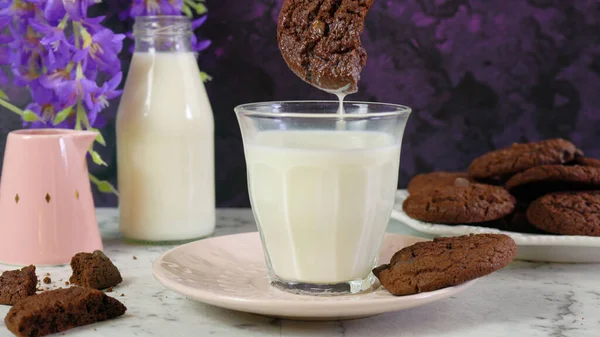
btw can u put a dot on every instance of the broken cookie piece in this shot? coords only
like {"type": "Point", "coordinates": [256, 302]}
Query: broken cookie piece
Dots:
{"type": "Point", "coordinates": [444, 262]}
{"type": "Point", "coordinates": [15, 285]}
{"type": "Point", "coordinates": [320, 41]}
{"type": "Point", "coordinates": [59, 310]}
{"type": "Point", "coordinates": [94, 270]}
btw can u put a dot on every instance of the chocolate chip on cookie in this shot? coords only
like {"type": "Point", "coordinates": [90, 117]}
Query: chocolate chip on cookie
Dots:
{"type": "Point", "coordinates": [567, 213]}
{"type": "Point", "coordinates": [540, 180]}
{"type": "Point", "coordinates": [586, 161]}
{"type": "Point", "coordinates": [320, 41]}
{"type": "Point", "coordinates": [456, 205]}
{"type": "Point", "coordinates": [520, 157]}
{"type": "Point", "coordinates": [437, 179]}
{"type": "Point", "coordinates": [445, 262]}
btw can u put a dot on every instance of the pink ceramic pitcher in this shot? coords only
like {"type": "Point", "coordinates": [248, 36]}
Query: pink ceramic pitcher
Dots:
{"type": "Point", "coordinates": [46, 207]}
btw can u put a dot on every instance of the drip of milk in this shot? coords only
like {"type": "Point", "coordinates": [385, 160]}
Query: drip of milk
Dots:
{"type": "Point", "coordinates": [341, 96]}
{"type": "Point", "coordinates": [341, 123]}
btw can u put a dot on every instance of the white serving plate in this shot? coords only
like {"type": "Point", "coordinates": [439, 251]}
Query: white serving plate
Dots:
{"type": "Point", "coordinates": [532, 247]}
{"type": "Point", "coordinates": [230, 272]}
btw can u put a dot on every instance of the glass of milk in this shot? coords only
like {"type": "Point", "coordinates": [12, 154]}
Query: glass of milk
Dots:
{"type": "Point", "coordinates": [322, 183]}
{"type": "Point", "coordinates": [165, 138]}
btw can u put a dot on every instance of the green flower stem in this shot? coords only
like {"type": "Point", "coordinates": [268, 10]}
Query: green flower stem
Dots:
{"type": "Point", "coordinates": [11, 107]}
{"type": "Point", "coordinates": [103, 185]}
{"type": "Point", "coordinates": [78, 114]}
{"type": "Point", "coordinates": [63, 23]}
{"type": "Point", "coordinates": [77, 33]}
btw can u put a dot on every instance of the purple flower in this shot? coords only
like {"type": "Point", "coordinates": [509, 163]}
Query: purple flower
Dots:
{"type": "Point", "coordinates": [19, 9]}
{"type": "Point", "coordinates": [69, 91]}
{"type": "Point", "coordinates": [53, 79]}
{"type": "Point", "coordinates": [26, 65]}
{"type": "Point", "coordinates": [77, 9]}
{"type": "Point", "coordinates": [94, 24]}
{"type": "Point", "coordinates": [196, 44]}
{"type": "Point", "coordinates": [97, 100]}
{"type": "Point", "coordinates": [46, 112]}
{"type": "Point", "coordinates": [52, 36]}
{"type": "Point", "coordinates": [199, 45]}
{"type": "Point", "coordinates": [54, 11]}
{"type": "Point", "coordinates": [104, 47]}
{"type": "Point", "coordinates": [199, 22]}
{"type": "Point", "coordinates": [41, 94]}
{"type": "Point", "coordinates": [156, 7]}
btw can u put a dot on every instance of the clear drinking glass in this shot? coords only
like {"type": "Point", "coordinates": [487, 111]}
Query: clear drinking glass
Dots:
{"type": "Point", "coordinates": [322, 187]}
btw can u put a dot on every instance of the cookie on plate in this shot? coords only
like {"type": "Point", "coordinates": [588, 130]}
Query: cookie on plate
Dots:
{"type": "Point", "coordinates": [516, 223]}
{"type": "Point", "coordinates": [320, 41]}
{"type": "Point", "coordinates": [456, 205]}
{"type": "Point", "coordinates": [520, 157]}
{"type": "Point", "coordinates": [59, 310]}
{"type": "Point", "coordinates": [444, 262]}
{"type": "Point", "coordinates": [567, 213]}
{"type": "Point", "coordinates": [15, 285]}
{"type": "Point", "coordinates": [587, 161]}
{"type": "Point", "coordinates": [540, 180]}
{"type": "Point", "coordinates": [437, 179]}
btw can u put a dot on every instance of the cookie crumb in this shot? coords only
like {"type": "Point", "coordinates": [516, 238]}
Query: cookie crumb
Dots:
{"type": "Point", "coordinates": [122, 295]}
{"type": "Point", "coordinates": [66, 283]}
{"type": "Point", "coordinates": [135, 258]}
{"type": "Point", "coordinates": [47, 280]}
{"type": "Point", "coordinates": [109, 290]}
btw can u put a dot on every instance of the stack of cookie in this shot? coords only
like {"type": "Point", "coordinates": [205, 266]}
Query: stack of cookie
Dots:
{"type": "Point", "coordinates": [541, 187]}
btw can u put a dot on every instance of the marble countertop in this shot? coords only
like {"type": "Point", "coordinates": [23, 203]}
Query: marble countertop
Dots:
{"type": "Point", "coordinates": [524, 299]}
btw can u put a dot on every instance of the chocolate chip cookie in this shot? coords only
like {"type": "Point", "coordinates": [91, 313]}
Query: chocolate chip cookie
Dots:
{"type": "Point", "coordinates": [61, 309]}
{"type": "Point", "coordinates": [445, 262]}
{"type": "Point", "coordinates": [437, 179]}
{"type": "Point", "coordinates": [567, 213]}
{"type": "Point", "coordinates": [455, 205]}
{"type": "Point", "coordinates": [586, 161]}
{"type": "Point", "coordinates": [94, 270]}
{"type": "Point", "coordinates": [540, 180]}
{"type": "Point", "coordinates": [15, 285]}
{"type": "Point", "coordinates": [520, 157]}
{"type": "Point", "coordinates": [320, 41]}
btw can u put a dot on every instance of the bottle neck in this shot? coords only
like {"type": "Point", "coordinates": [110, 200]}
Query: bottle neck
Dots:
{"type": "Point", "coordinates": [162, 34]}
{"type": "Point", "coordinates": [162, 44]}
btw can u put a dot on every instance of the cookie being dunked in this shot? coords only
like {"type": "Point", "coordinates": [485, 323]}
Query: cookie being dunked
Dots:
{"type": "Point", "coordinates": [320, 41]}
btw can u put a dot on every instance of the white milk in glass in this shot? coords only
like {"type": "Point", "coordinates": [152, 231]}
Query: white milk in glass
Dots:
{"type": "Point", "coordinates": [165, 150]}
{"type": "Point", "coordinates": [323, 200]}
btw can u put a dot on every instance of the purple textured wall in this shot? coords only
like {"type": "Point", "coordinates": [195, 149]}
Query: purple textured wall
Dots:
{"type": "Point", "coordinates": [479, 74]}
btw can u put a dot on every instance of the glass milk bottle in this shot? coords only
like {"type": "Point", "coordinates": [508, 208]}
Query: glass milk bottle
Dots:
{"type": "Point", "coordinates": [165, 138]}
